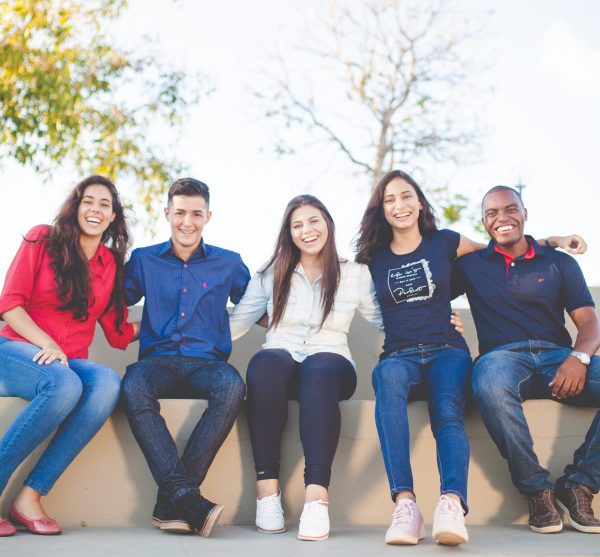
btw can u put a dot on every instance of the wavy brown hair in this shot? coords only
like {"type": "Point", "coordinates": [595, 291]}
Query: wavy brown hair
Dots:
{"type": "Point", "coordinates": [71, 269]}
{"type": "Point", "coordinates": [375, 231]}
{"type": "Point", "coordinates": [286, 257]}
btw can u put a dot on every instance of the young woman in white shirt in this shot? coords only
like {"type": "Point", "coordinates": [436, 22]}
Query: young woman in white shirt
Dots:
{"type": "Point", "coordinates": [310, 295]}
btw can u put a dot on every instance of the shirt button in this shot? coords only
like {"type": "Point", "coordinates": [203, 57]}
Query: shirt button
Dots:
{"type": "Point", "coordinates": [512, 264]}
{"type": "Point", "coordinates": [182, 314]}
{"type": "Point", "coordinates": [185, 290]}
{"type": "Point", "coordinates": [185, 265]}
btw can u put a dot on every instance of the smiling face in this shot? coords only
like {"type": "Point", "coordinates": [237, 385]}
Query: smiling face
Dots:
{"type": "Point", "coordinates": [504, 217]}
{"type": "Point", "coordinates": [401, 205]}
{"type": "Point", "coordinates": [309, 230]}
{"type": "Point", "coordinates": [95, 211]}
{"type": "Point", "coordinates": [187, 216]}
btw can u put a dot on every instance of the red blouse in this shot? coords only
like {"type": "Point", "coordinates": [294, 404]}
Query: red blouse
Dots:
{"type": "Point", "coordinates": [30, 283]}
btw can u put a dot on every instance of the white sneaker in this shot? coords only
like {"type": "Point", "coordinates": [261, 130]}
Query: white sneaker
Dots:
{"type": "Point", "coordinates": [449, 522]}
{"type": "Point", "coordinates": [314, 521]}
{"type": "Point", "coordinates": [407, 526]}
{"type": "Point", "coordinates": [269, 514]}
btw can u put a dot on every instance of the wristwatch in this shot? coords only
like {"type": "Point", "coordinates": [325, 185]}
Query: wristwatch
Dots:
{"type": "Point", "coordinates": [582, 357]}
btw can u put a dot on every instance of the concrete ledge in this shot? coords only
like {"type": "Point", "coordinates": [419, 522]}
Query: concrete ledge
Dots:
{"type": "Point", "coordinates": [109, 483]}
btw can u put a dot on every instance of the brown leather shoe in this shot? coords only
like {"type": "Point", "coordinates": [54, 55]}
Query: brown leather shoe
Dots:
{"type": "Point", "coordinates": [577, 504]}
{"type": "Point", "coordinates": [544, 517]}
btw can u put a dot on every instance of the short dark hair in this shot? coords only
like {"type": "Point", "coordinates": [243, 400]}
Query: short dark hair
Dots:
{"type": "Point", "coordinates": [503, 188]}
{"type": "Point", "coordinates": [190, 187]}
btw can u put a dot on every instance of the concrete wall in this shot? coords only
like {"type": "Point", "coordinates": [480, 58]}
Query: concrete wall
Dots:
{"type": "Point", "coordinates": [109, 483]}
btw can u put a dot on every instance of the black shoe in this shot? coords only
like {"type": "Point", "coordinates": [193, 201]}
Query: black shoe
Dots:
{"type": "Point", "coordinates": [166, 518]}
{"type": "Point", "coordinates": [544, 517]}
{"type": "Point", "coordinates": [199, 512]}
{"type": "Point", "coordinates": [577, 504]}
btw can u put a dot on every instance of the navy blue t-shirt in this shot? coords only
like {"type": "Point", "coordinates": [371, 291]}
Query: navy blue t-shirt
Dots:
{"type": "Point", "coordinates": [525, 300]}
{"type": "Point", "coordinates": [414, 292]}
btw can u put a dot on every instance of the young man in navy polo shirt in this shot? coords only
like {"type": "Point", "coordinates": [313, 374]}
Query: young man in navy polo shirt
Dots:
{"type": "Point", "coordinates": [518, 292]}
{"type": "Point", "coordinates": [184, 346]}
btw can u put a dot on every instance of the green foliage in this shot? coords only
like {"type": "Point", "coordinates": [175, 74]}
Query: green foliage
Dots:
{"type": "Point", "coordinates": [68, 94]}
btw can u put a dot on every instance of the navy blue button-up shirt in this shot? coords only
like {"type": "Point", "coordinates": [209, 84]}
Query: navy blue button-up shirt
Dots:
{"type": "Point", "coordinates": [525, 300]}
{"type": "Point", "coordinates": [185, 301]}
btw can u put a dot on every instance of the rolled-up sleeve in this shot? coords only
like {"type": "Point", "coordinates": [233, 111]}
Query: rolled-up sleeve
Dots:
{"type": "Point", "coordinates": [115, 338]}
{"type": "Point", "coordinates": [251, 307]}
{"type": "Point", "coordinates": [20, 277]}
{"type": "Point", "coordinates": [368, 304]}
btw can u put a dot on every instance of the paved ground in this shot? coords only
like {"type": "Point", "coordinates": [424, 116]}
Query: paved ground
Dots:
{"type": "Point", "coordinates": [244, 541]}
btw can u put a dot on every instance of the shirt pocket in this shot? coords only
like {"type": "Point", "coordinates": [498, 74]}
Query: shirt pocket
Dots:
{"type": "Point", "coordinates": [342, 313]}
{"type": "Point", "coordinates": [291, 309]}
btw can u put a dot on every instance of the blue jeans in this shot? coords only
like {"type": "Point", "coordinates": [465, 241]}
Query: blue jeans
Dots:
{"type": "Point", "coordinates": [181, 377]}
{"type": "Point", "coordinates": [512, 373]}
{"type": "Point", "coordinates": [441, 374]}
{"type": "Point", "coordinates": [76, 399]}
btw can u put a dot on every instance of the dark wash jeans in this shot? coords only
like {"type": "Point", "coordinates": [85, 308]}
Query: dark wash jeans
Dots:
{"type": "Point", "coordinates": [506, 376]}
{"type": "Point", "coordinates": [441, 374]}
{"type": "Point", "coordinates": [181, 377]}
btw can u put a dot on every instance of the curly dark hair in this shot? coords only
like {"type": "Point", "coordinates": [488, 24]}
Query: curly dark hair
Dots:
{"type": "Point", "coordinates": [286, 257]}
{"type": "Point", "coordinates": [375, 232]}
{"type": "Point", "coordinates": [71, 270]}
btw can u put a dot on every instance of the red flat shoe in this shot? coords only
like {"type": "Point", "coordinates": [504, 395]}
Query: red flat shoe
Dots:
{"type": "Point", "coordinates": [6, 528]}
{"type": "Point", "coordinates": [42, 526]}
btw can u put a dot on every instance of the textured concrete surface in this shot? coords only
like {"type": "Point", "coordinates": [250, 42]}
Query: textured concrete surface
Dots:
{"type": "Point", "coordinates": [345, 541]}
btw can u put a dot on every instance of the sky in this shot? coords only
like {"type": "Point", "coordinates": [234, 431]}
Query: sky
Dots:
{"type": "Point", "coordinates": [542, 115]}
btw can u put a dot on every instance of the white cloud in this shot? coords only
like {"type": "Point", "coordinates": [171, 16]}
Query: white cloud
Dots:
{"type": "Point", "coordinates": [567, 56]}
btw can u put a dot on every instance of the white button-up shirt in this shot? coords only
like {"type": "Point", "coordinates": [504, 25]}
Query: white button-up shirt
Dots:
{"type": "Point", "coordinates": [299, 332]}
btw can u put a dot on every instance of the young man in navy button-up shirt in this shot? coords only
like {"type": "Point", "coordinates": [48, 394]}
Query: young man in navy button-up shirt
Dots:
{"type": "Point", "coordinates": [184, 346]}
{"type": "Point", "coordinates": [518, 292]}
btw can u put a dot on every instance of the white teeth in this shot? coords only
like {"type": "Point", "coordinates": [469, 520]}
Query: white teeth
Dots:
{"type": "Point", "coordinates": [92, 221]}
{"type": "Point", "coordinates": [401, 215]}
{"type": "Point", "coordinates": [310, 239]}
{"type": "Point", "coordinates": [505, 228]}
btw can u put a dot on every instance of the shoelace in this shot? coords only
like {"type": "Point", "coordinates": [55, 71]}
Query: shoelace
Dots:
{"type": "Point", "coordinates": [450, 506]}
{"type": "Point", "coordinates": [271, 508]}
{"type": "Point", "coordinates": [403, 514]}
{"type": "Point", "coordinates": [584, 502]}
{"type": "Point", "coordinates": [313, 513]}
{"type": "Point", "coordinates": [540, 503]}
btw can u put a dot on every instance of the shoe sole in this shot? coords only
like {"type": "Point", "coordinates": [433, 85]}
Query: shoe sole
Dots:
{"type": "Point", "coordinates": [211, 520]}
{"type": "Point", "coordinates": [263, 531]}
{"type": "Point", "coordinates": [173, 526]}
{"type": "Point", "coordinates": [312, 538]}
{"type": "Point", "coordinates": [575, 524]}
{"type": "Point", "coordinates": [450, 538]}
{"type": "Point", "coordinates": [553, 529]}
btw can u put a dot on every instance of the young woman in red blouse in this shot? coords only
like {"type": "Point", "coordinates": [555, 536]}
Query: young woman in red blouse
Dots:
{"type": "Point", "coordinates": [64, 279]}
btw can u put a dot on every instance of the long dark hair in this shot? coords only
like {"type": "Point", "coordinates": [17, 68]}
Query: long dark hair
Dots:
{"type": "Point", "coordinates": [375, 231]}
{"type": "Point", "coordinates": [71, 270]}
{"type": "Point", "coordinates": [286, 257]}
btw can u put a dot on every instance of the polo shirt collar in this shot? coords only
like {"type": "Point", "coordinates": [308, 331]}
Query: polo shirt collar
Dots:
{"type": "Point", "coordinates": [535, 250]}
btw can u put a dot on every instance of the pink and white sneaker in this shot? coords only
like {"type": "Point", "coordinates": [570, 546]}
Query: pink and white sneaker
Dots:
{"type": "Point", "coordinates": [449, 522]}
{"type": "Point", "coordinates": [407, 526]}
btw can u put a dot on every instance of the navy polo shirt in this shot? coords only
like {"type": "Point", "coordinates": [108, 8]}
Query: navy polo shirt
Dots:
{"type": "Point", "coordinates": [185, 301]}
{"type": "Point", "coordinates": [414, 292]}
{"type": "Point", "coordinates": [524, 300]}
